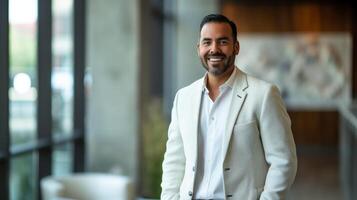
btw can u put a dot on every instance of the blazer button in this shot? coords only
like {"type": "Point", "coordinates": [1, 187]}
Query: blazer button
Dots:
{"type": "Point", "coordinates": [190, 193]}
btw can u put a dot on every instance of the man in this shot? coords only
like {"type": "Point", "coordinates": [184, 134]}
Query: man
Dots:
{"type": "Point", "coordinates": [230, 135]}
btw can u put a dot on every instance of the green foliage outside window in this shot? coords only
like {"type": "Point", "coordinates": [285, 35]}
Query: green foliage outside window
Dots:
{"type": "Point", "coordinates": [22, 50]}
{"type": "Point", "coordinates": [154, 141]}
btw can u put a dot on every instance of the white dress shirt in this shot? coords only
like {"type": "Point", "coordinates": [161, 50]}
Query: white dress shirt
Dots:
{"type": "Point", "coordinates": [213, 118]}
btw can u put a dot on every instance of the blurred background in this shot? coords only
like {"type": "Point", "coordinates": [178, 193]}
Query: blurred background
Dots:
{"type": "Point", "coordinates": [86, 86]}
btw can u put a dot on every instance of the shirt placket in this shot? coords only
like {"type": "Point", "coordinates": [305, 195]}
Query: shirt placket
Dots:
{"type": "Point", "coordinates": [210, 141]}
{"type": "Point", "coordinates": [213, 132]}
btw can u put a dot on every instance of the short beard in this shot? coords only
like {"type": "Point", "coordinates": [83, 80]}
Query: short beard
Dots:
{"type": "Point", "coordinates": [218, 71]}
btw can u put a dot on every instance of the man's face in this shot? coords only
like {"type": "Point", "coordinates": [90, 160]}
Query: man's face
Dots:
{"type": "Point", "coordinates": [217, 48]}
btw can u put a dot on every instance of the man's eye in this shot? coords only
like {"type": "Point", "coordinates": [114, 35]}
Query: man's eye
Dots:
{"type": "Point", "coordinates": [224, 42]}
{"type": "Point", "coordinates": [205, 43]}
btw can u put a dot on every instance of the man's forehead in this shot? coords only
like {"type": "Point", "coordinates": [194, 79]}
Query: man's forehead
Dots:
{"type": "Point", "coordinates": [220, 28]}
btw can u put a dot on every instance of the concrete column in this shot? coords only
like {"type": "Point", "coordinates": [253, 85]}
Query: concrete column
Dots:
{"type": "Point", "coordinates": [112, 109]}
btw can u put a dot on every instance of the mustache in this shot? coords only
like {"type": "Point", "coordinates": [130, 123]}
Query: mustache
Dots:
{"type": "Point", "coordinates": [216, 54]}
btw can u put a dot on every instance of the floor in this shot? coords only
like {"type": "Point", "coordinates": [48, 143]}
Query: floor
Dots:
{"type": "Point", "coordinates": [317, 177]}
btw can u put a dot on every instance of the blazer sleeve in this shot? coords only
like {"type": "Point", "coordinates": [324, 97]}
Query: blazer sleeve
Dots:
{"type": "Point", "coordinates": [174, 160]}
{"type": "Point", "coordinates": [279, 146]}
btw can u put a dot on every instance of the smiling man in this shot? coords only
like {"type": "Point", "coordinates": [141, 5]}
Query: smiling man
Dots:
{"type": "Point", "coordinates": [230, 134]}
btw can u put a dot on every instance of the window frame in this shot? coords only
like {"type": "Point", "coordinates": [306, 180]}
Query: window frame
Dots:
{"type": "Point", "coordinates": [45, 143]}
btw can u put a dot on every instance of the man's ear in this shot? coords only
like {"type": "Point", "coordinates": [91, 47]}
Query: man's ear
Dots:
{"type": "Point", "coordinates": [198, 49]}
{"type": "Point", "coordinates": [236, 47]}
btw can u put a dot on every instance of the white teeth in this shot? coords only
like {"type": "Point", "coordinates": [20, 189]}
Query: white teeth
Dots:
{"type": "Point", "coordinates": [215, 59]}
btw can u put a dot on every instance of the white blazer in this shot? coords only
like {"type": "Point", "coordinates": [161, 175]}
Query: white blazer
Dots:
{"type": "Point", "coordinates": [259, 151]}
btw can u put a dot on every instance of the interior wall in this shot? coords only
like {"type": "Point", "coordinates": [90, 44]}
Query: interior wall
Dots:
{"type": "Point", "coordinates": [304, 17]}
{"type": "Point", "coordinates": [310, 127]}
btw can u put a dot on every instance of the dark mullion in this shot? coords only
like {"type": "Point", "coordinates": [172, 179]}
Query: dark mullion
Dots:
{"type": "Point", "coordinates": [169, 52]}
{"type": "Point", "coordinates": [4, 179]}
{"type": "Point", "coordinates": [4, 99]}
{"type": "Point", "coordinates": [79, 68]}
{"type": "Point", "coordinates": [44, 59]}
{"type": "Point", "coordinates": [354, 52]}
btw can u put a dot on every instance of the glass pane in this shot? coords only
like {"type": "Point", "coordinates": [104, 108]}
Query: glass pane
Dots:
{"type": "Point", "coordinates": [62, 159]}
{"type": "Point", "coordinates": [62, 71]}
{"type": "Point", "coordinates": [23, 75]}
{"type": "Point", "coordinates": [23, 177]}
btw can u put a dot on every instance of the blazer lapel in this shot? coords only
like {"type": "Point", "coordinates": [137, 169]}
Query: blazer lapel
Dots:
{"type": "Point", "coordinates": [238, 98]}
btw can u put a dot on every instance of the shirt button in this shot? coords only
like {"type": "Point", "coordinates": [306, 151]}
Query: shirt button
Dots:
{"type": "Point", "coordinates": [190, 193]}
{"type": "Point", "coordinates": [193, 168]}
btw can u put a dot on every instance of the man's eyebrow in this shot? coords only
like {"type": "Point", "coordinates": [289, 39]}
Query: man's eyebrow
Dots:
{"type": "Point", "coordinates": [206, 39]}
{"type": "Point", "coordinates": [209, 39]}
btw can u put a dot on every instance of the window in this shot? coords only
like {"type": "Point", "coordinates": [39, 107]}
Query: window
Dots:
{"type": "Point", "coordinates": [41, 93]}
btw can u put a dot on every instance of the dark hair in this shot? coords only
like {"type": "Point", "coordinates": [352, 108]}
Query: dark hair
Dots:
{"type": "Point", "coordinates": [220, 19]}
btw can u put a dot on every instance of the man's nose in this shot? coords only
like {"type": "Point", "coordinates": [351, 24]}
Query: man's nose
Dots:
{"type": "Point", "coordinates": [214, 48]}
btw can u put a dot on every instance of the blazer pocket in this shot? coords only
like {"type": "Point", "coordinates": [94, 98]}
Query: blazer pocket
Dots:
{"type": "Point", "coordinates": [246, 136]}
{"type": "Point", "coordinates": [245, 125]}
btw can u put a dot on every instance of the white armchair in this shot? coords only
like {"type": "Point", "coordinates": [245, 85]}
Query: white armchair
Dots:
{"type": "Point", "coordinates": [87, 186]}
